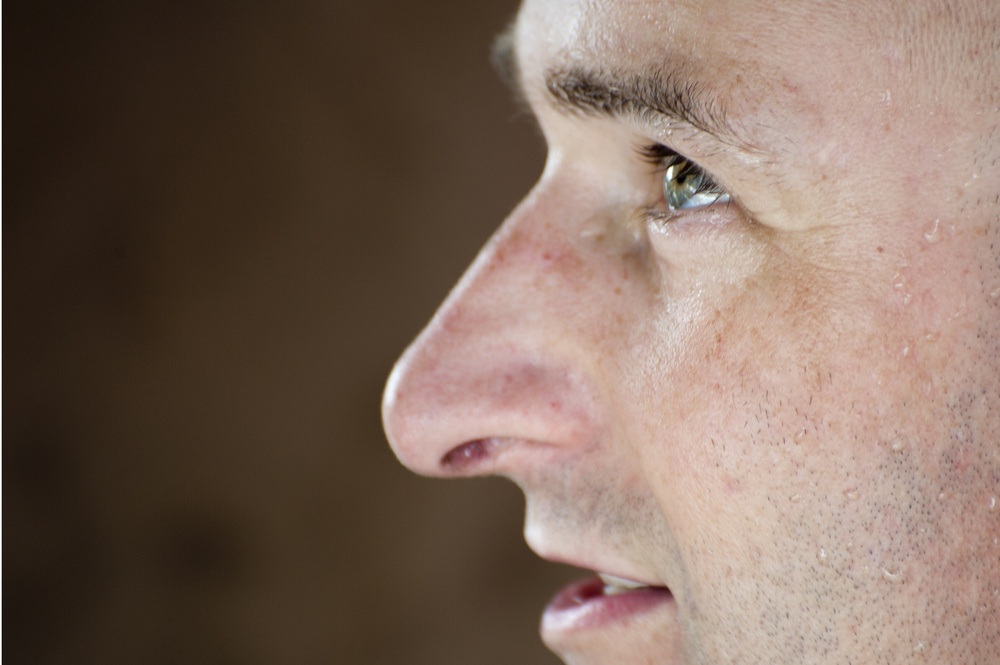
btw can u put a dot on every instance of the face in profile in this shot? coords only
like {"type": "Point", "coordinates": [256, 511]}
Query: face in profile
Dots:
{"type": "Point", "coordinates": [740, 345]}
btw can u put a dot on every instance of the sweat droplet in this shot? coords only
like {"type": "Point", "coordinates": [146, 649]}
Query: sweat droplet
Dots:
{"type": "Point", "coordinates": [794, 498]}
{"type": "Point", "coordinates": [890, 575]}
{"type": "Point", "coordinates": [851, 494]}
{"type": "Point", "coordinates": [822, 555]}
{"type": "Point", "coordinates": [932, 231]}
{"type": "Point", "coordinates": [993, 503]}
{"type": "Point", "coordinates": [897, 446]}
{"type": "Point", "coordinates": [919, 647]}
{"type": "Point", "coordinates": [995, 293]}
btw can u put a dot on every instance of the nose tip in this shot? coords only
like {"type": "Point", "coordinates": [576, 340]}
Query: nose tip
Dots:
{"type": "Point", "coordinates": [453, 402]}
{"type": "Point", "coordinates": [403, 426]}
{"type": "Point", "coordinates": [431, 405]}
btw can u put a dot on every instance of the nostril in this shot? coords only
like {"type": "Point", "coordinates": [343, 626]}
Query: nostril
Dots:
{"type": "Point", "coordinates": [468, 454]}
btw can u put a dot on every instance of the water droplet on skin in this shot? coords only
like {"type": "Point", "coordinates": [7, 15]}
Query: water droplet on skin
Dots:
{"type": "Point", "coordinates": [993, 503]}
{"type": "Point", "coordinates": [932, 231]}
{"type": "Point", "coordinates": [897, 446]}
{"type": "Point", "coordinates": [919, 647]}
{"type": "Point", "coordinates": [851, 494]}
{"type": "Point", "coordinates": [995, 293]}
{"type": "Point", "coordinates": [794, 498]}
{"type": "Point", "coordinates": [906, 349]}
{"type": "Point", "coordinates": [594, 229]}
{"type": "Point", "coordinates": [898, 280]}
{"type": "Point", "coordinates": [907, 297]}
{"type": "Point", "coordinates": [892, 575]}
{"type": "Point", "coordinates": [800, 435]}
{"type": "Point", "coordinates": [822, 555]}
{"type": "Point", "coordinates": [941, 496]}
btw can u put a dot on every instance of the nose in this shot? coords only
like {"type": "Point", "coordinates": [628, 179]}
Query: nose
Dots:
{"type": "Point", "coordinates": [505, 373]}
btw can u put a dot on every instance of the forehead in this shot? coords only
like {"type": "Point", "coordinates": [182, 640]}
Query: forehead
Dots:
{"type": "Point", "coordinates": [643, 28]}
{"type": "Point", "coordinates": [748, 48]}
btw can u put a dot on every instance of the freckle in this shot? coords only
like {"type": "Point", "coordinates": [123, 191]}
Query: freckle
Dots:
{"type": "Point", "coordinates": [556, 405]}
{"type": "Point", "coordinates": [879, 250]}
{"type": "Point", "coordinates": [547, 256]}
{"type": "Point", "coordinates": [618, 290]}
{"type": "Point", "coordinates": [886, 127]}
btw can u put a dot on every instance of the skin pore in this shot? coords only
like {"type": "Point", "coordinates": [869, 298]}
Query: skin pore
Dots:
{"type": "Point", "coordinates": [784, 407]}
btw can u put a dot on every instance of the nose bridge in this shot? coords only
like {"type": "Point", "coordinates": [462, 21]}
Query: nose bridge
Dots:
{"type": "Point", "coordinates": [500, 359]}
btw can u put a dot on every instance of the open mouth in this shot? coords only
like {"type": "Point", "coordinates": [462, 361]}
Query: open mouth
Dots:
{"type": "Point", "coordinates": [601, 600]}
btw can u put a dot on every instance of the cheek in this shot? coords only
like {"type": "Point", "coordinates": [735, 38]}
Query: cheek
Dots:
{"type": "Point", "coordinates": [753, 385]}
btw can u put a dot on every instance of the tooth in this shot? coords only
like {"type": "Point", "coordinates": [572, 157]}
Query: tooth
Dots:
{"type": "Point", "coordinates": [614, 585]}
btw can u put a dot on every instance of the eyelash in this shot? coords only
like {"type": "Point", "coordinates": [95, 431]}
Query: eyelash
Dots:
{"type": "Point", "coordinates": [704, 192]}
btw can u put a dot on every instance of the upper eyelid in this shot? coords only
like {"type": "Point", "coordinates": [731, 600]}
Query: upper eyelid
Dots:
{"type": "Point", "coordinates": [655, 153]}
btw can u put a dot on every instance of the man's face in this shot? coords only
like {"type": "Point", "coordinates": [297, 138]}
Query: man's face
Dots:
{"type": "Point", "coordinates": [775, 401]}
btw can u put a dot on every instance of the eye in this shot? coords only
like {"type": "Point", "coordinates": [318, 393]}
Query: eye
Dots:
{"type": "Point", "coordinates": [686, 187]}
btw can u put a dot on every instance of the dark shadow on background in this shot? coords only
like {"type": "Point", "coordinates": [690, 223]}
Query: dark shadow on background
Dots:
{"type": "Point", "coordinates": [222, 224]}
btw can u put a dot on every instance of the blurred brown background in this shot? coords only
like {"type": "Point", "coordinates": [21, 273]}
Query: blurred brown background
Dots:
{"type": "Point", "coordinates": [222, 223]}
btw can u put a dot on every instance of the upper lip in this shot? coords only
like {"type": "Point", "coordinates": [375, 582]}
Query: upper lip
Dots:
{"type": "Point", "coordinates": [624, 573]}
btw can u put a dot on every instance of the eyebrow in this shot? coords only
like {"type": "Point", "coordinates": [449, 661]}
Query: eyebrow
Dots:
{"type": "Point", "coordinates": [670, 93]}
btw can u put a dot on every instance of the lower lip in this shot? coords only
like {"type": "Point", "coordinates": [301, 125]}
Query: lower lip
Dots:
{"type": "Point", "coordinates": [584, 606]}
